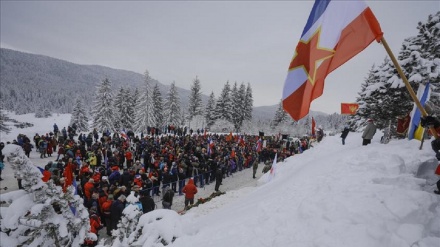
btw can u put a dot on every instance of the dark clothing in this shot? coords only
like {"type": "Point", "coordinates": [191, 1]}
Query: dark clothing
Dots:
{"type": "Point", "coordinates": [148, 204]}
{"type": "Point", "coordinates": [344, 134]}
{"type": "Point", "coordinates": [167, 200]}
{"type": "Point", "coordinates": [116, 213]}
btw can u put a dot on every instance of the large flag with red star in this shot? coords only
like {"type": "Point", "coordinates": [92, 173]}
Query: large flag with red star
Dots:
{"type": "Point", "coordinates": [335, 32]}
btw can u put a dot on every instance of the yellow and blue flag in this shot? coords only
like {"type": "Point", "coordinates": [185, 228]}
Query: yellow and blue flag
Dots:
{"type": "Point", "coordinates": [416, 130]}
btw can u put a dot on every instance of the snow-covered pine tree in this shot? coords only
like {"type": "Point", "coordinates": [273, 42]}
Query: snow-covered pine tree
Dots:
{"type": "Point", "coordinates": [41, 214]}
{"type": "Point", "coordinates": [371, 99]}
{"type": "Point", "coordinates": [195, 106]}
{"type": "Point", "coordinates": [79, 116]}
{"type": "Point", "coordinates": [118, 108]}
{"type": "Point", "coordinates": [209, 110]}
{"type": "Point", "coordinates": [429, 36]}
{"type": "Point", "coordinates": [127, 110]}
{"type": "Point", "coordinates": [122, 104]}
{"type": "Point", "coordinates": [46, 113]}
{"type": "Point", "coordinates": [3, 126]}
{"type": "Point", "coordinates": [280, 116]}
{"type": "Point", "coordinates": [102, 112]}
{"type": "Point", "coordinates": [395, 101]}
{"type": "Point", "coordinates": [127, 224]}
{"type": "Point", "coordinates": [172, 107]}
{"type": "Point", "coordinates": [238, 106]}
{"type": "Point", "coordinates": [39, 111]}
{"type": "Point", "coordinates": [223, 105]}
{"type": "Point", "coordinates": [158, 107]}
{"type": "Point", "coordinates": [144, 109]}
{"type": "Point", "coordinates": [248, 103]}
{"type": "Point", "coordinates": [133, 101]}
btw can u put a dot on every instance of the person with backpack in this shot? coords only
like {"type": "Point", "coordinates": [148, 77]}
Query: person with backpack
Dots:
{"type": "Point", "coordinates": [167, 200]}
{"type": "Point", "coordinates": [190, 190]}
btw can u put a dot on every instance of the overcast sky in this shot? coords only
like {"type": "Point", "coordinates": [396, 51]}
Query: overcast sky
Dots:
{"type": "Point", "coordinates": [240, 41]}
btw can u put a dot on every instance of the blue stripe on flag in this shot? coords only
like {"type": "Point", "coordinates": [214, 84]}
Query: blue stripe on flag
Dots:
{"type": "Point", "coordinates": [318, 9]}
{"type": "Point", "coordinates": [415, 118]}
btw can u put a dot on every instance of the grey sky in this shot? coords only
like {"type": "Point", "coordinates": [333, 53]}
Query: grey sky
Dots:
{"type": "Point", "coordinates": [239, 41]}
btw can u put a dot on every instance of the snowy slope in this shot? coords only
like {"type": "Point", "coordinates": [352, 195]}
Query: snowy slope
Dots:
{"type": "Point", "coordinates": [329, 196]}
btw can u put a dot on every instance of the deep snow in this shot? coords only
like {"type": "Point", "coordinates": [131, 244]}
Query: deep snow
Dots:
{"type": "Point", "coordinates": [329, 196]}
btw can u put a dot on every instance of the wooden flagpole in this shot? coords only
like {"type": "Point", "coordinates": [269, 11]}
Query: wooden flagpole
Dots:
{"type": "Point", "coordinates": [408, 86]}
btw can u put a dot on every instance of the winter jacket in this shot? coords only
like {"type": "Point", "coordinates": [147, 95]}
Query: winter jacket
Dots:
{"type": "Point", "coordinates": [345, 133]}
{"type": "Point", "coordinates": [369, 131]}
{"type": "Point", "coordinates": [148, 204]}
{"type": "Point", "coordinates": [190, 189]}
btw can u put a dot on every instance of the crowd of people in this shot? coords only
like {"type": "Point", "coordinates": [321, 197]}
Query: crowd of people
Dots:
{"type": "Point", "coordinates": [107, 167]}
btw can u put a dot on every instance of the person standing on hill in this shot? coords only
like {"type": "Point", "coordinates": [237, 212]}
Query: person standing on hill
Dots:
{"type": "Point", "coordinates": [369, 132]}
{"type": "Point", "coordinates": [344, 134]}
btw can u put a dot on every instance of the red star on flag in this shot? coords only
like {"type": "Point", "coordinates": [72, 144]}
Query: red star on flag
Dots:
{"type": "Point", "coordinates": [308, 55]}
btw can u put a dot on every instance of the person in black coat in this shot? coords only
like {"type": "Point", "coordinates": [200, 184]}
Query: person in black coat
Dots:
{"type": "Point", "coordinates": [116, 211]}
{"type": "Point", "coordinates": [147, 202]}
{"type": "Point", "coordinates": [220, 170]}
{"type": "Point", "coordinates": [126, 179]}
{"type": "Point", "coordinates": [344, 134]}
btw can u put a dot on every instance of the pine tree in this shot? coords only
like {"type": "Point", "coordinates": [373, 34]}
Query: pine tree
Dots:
{"type": "Point", "coordinates": [127, 110]}
{"type": "Point", "coordinates": [238, 105]}
{"type": "Point", "coordinates": [172, 107]}
{"type": "Point", "coordinates": [42, 214]}
{"type": "Point", "coordinates": [209, 110]}
{"type": "Point", "coordinates": [280, 116]}
{"type": "Point", "coordinates": [103, 114]}
{"type": "Point", "coordinates": [118, 108]}
{"type": "Point", "coordinates": [158, 107]}
{"type": "Point", "coordinates": [79, 116]}
{"type": "Point", "coordinates": [144, 110]}
{"type": "Point", "coordinates": [224, 105]}
{"type": "Point", "coordinates": [371, 99]}
{"type": "Point", "coordinates": [133, 102]}
{"type": "Point", "coordinates": [248, 103]}
{"type": "Point", "coordinates": [3, 126]}
{"type": "Point", "coordinates": [46, 113]}
{"type": "Point", "coordinates": [123, 109]}
{"type": "Point", "coordinates": [195, 107]}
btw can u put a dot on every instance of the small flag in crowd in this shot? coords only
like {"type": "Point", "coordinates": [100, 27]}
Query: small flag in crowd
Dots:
{"type": "Point", "coordinates": [273, 169]}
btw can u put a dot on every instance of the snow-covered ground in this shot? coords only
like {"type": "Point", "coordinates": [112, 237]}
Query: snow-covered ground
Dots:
{"type": "Point", "coordinates": [332, 195]}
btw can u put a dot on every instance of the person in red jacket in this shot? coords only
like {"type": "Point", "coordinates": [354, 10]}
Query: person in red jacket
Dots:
{"type": "Point", "coordinates": [190, 190]}
{"type": "Point", "coordinates": [46, 174]}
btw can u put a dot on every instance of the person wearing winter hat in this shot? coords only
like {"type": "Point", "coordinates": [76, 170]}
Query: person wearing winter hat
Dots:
{"type": "Point", "coordinates": [369, 132]}
{"type": "Point", "coordinates": [190, 190]}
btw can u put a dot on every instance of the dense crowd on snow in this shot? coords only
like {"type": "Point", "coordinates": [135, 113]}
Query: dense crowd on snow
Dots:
{"type": "Point", "coordinates": [106, 167]}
